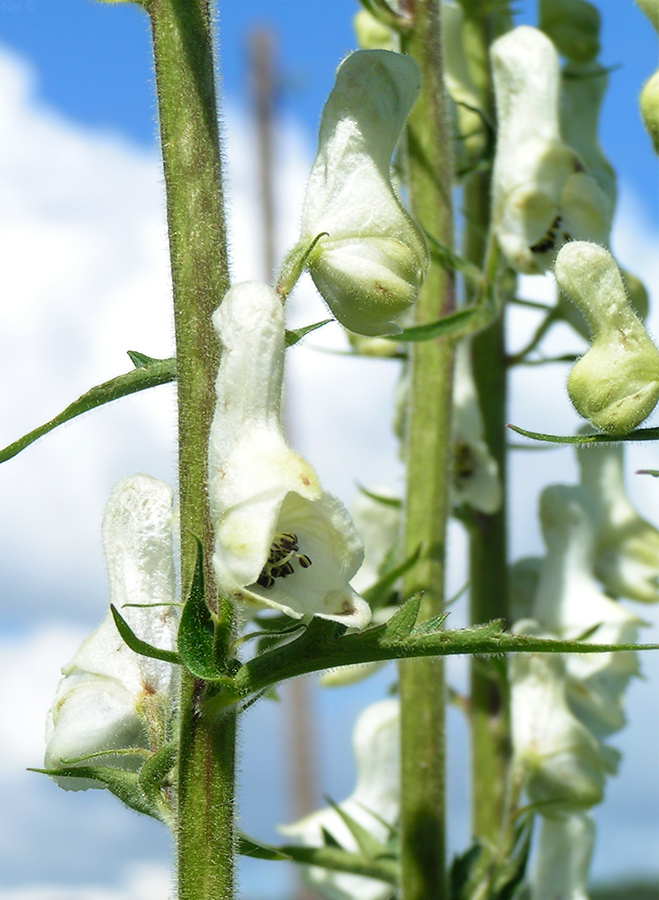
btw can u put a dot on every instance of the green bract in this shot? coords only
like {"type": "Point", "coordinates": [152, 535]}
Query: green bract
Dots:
{"type": "Point", "coordinates": [615, 385]}
{"type": "Point", "coordinates": [371, 259]}
{"type": "Point", "coordinates": [573, 26]}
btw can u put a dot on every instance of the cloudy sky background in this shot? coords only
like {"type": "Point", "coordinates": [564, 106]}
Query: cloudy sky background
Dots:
{"type": "Point", "coordinates": [84, 277]}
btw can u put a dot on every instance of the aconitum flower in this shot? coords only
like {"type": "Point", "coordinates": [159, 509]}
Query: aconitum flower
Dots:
{"type": "Point", "coordinates": [569, 602]}
{"type": "Point", "coordinates": [371, 260]}
{"type": "Point", "coordinates": [280, 540]}
{"type": "Point", "coordinates": [626, 546]}
{"type": "Point", "coordinates": [565, 847]}
{"type": "Point", "coordinates": [110, 698]}
{"type": "Point", "coordinates": [615, 385]}
{"type": "Point", "coordinates": [559, 760]}
{"type": "Point", "coordinates": [542, 195]}
{"type": "Point", "coordinates": [374, 804]}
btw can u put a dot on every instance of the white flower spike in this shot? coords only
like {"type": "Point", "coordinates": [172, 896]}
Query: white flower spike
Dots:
{"type": "Point", "coordinates": [615, 385]}
{"type": "Point", "coordinates": [541, 193]}
{"type": "Point", "coordinates": [374, 804]}
{"type": "Point", "coordinates": [280, 540]}
{"type": "Point", "coordinates": [372, 258]}
{"type": "Point", "coordinates": [626, 546]}
{"type": "Point", "coordinates": [110, 698]}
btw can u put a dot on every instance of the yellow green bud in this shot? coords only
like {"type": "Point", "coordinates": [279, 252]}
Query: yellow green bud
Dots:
{"type": "Point", "coordinates": [615, 385]}
{"type": "Point", "coordinates": [649, 102]}
{"type": "Point", "coordinates": [573, 26]}
{"type": "Point", "coordinates": [372, 34]}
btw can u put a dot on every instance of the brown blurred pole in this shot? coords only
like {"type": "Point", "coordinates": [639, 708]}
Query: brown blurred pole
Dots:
{"type": "Point", "coordinates": [298, 715]}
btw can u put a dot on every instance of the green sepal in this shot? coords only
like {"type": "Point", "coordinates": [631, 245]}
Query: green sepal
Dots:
{"type": "Point", "coordinates": [146, 375]}
{"type": "Point", "coordinates": [124, 785]}
{"type": "Point", "coordinates": [196, 632]}
{"type": "Point", "coordinates": [155, 770]}
{"type": "Point", "coordinates": [292, 337]}
{"type": "Point", "coordinates": [294, 264]}
{"type": "Point", "coordinates": [249, 847]}
{"type": "Point", "coordinates": [640, 434]}
{"type": "Point", "coordinates": [137, 645]}
{"type": "Point", "coordinates": [367, 844]}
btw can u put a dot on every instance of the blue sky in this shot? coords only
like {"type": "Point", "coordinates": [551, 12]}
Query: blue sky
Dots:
{"type": "Point", "coordinates": [82, 234]}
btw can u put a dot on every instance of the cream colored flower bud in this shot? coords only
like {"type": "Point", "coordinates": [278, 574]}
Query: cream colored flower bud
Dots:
{"type": "Point", "coordinates": [542, 195]}
{"type": "Point", "coordinates": [651, 10]}
{"type": "Point", "coordinates": [564, 850]}
{"type": "Point", "coordinates": [110, 698]}
{"type": "Point", "coordinates": [280, 540]}
{"type": "Point", "coordinates": [626, 546]}
{"type": "Point", "coordinates": [615, 385]}
{"type": "Point", "coordinates": [372, 258]}
{"type": "Point", "coordinates": [475, 472]}
{"type": "Point", "coordinates": [559, 760]}
{"type": "Point", "coordinates": [372, 34]}
{"type": "Point", "coordinates": [573, 26]}
{"type": "Point", "coordinates": [374, 804]}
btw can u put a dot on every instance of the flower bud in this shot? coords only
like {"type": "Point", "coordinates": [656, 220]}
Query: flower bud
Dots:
{"type": "Point", "coordinates": [280, 540]}
{"type": "Point", "coordinates": [649, 102]}
{"type": "Point", "coordinates": [541, 193]}
{"type": "Point", "coordinates": [564, 850]}
{"type": "Point", "coordinates": [371, 259]}
{"type": "Point", "coordinates": [615, 385]}
{"type": "Point", "coordinates": [626, 546]}
{"type": "Point", "coordinates": [573, 26]}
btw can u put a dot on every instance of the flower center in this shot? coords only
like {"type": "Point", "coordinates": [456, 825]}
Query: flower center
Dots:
{"type": "Point", "coordinates": [283, 553]}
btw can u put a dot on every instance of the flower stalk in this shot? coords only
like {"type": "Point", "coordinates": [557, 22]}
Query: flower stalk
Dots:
{"type": "Point", "coordinates": [184, 66]}
{"type": "Point", "coordinates": [428, 457]}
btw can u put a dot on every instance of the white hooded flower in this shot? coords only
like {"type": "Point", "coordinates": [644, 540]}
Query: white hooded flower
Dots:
{"type": "Point", "coordinates": [626, 546]}
{"type": "Point", "coordinates": [475, 472]}
{"type": "Point", "coordinates": [559, 759]}
{"type": "Point", "coordinates": [541, 193]}
{"type": "Point", "coordinates": [564, 850]}
{"type": "Point", "coordinates": [569, 602]}
{"type": "Point", "coordinates": [280, 540]}
{"type": "Point", "coordinates": [111, 698]}
{"type": "Point", "coordinates": [374, 804]}
{"type": "Point", "coordinates": [371, 261]}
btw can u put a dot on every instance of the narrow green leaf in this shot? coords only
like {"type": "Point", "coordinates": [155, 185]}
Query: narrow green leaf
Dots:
{"type": "Point", "coordinates": [196, 633]}
{"type": "Point", "coordinates": [511, 874]}
{"type": "Point", "coordinates": [430, 626]}
{"type": "Point", "coordinates": [338, 860]}
{"type": "Point", "coordinates": [456, 321]}
{"type": "Point", "coordinates": [393, 502]}
{"type": "Point", "coordinates": [367, 844]}
{"type": "Point", "coordinates": [653, 472]}
{"type": "Point", "coordinates": [292, 337]}
{"type": "Point", "coordinates": [464, 867]}
{"type": "Point", "coordinates": [249, 847]}
{"type": "Point", "coordinates": [328, 838]}
{"type": "Point", "coordinates": [381, 590]}
{"type": "Point", "coordinates": [141, 360]}
{"type": "Point", "coordinates": [137, 645]}
{"type": "Point", "coordinates": [123, 785]}
{"type": "Point", "coordinates": [451, 261]}
{"type": "Point", "coordinates": [160, 371]}
{"type": "Point", "coordinates": [641, 434]}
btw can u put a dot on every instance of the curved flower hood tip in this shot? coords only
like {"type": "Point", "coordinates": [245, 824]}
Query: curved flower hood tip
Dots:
{"type": "Point", "coordinates": [371, 262]}
{"type": "Point", "coordinates": [280, 540]}
{"type": "Point", "coordinates": [374, 804]}
{"type": "Point", "coordinates": [110, 698]}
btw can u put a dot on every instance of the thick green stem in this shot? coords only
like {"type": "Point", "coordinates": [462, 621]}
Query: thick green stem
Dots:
{"type": "Point", "coordinates": [422, 690]}
{"type": "Point", "coordinates": [488, 533]}
{"type": "Point", "coordinates": [187, 110]}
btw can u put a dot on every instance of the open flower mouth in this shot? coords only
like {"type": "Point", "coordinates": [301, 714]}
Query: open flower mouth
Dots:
{"type": "Point", "coordinates": [284, 552]}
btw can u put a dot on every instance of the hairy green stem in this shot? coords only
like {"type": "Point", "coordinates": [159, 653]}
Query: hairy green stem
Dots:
{"type": "Point", "coordinates": [488, 558]}
{"type": "Point", "coordinates": [422, 692]}
{"type": "Point", "coordinates": [184, 65]}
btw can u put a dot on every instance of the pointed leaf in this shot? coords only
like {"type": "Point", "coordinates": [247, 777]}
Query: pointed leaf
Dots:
{"type": "Point", "coordinates": [140, 360]}
{"type": "Point", "coordinates": [338, 860]}
{"type": "Point", "coordinates": [370, 847]}
{"type": "Point", "coordinates": [196, 633]}
{"type": "Point", "coordinates": [328, 838]}
{"type": "Point", "coordinates": [455, 322]}
{"type": "Point", "coordinates": [249, 847]}
{"type": "Point", "coordinates": [393, 502]}
{"type": "Point", "coordinates": [464, 868]}
{"type": "Point", "coordinates": [401, 623]}
{"type": "Point", "coordinates": [292, 337]}
{"type": "Point", "coordinates": [137, 645]}
{"type": "Point", "coordinates": [381, 590]}
{"type": "Point", "coordinates": [641, 434]}
{"type": "Point", "coordinates": [160, 371]}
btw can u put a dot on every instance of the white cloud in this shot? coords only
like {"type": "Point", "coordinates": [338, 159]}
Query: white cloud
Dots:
{"type": "Point", "coordinates": [140, 882]}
